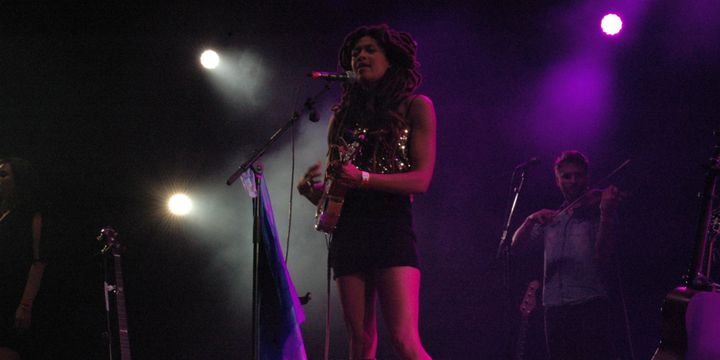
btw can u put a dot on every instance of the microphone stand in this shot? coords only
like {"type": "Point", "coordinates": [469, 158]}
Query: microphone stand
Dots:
{"type": "Point", "coordinates": [504, 246]}
{"type": "Point", "coordinates": [256, 169]}
{"type": "Point", "coordinates": [503, 251]}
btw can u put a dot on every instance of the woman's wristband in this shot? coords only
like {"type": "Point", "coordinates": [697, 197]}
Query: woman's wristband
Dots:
{"type": "Point", "coordinates": [364, 179]}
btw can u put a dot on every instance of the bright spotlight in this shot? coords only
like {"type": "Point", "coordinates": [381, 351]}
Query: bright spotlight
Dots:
{"type": "Point", "coordinates": [611, 24]}
{"type": "Point", "coordinates": [209, 59]}
{"type": "Point", "coordinates": [180, 204]}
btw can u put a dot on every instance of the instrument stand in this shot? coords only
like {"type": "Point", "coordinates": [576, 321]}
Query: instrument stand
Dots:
{"type": "Point", "coordinates": [674, 335]}
{"type": "Point", "coordinates": [107, 290]}
{"type": "Point", "coordinates": [251, 172]}
{"type": "Point", "coordinates": [118, 343]}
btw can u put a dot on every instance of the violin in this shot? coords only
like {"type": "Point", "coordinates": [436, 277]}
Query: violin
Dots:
{"type": "Point", "coordinates": [593, 198]}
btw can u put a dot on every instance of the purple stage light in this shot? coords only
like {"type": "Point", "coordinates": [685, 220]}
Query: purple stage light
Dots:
{"type": "Point", "coordinates": [611, 24]}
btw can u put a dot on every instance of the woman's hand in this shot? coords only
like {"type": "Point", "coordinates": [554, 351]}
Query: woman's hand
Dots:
{"type": "Point", "coordinates": [310, 185]}
{"type": "Point", "coordinates": [349, 175]}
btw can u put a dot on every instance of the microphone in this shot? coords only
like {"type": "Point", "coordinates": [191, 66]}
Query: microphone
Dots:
{"type": "Point", "coordinates": [531, 162]}
{"type": "Point", "coordinates": [333, 76]}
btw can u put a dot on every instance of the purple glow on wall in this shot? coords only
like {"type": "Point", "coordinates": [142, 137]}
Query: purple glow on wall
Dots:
{"type": "Point", "coordinates": [573, 101]}
{"type": "Point", "coordinates": [697, 41]}
{"type": "Point", "coordinates": [611, 24]}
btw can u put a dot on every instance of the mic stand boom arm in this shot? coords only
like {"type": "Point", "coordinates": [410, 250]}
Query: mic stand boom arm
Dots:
{"type": "Point", "coordinates": [308, 106]}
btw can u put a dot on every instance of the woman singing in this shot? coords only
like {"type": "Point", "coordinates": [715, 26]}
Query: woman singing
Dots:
{"type": "Point", "coordinates": [373, 252]}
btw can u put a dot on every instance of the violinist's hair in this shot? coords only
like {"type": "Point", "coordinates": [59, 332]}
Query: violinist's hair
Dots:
{"type": "Point", "coordinates": [572, 157]}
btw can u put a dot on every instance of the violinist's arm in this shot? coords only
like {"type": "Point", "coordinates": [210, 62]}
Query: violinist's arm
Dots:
{"type": "Point", "coordinates": [522, 235]}
{"type": "Point", "coordinates": [521, 238]}
{"type": "Point", "coordinates": [607, 230]}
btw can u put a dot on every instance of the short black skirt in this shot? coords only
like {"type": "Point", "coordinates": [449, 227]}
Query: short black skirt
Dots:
{"type": "Point", "coordinates": [374, 232]}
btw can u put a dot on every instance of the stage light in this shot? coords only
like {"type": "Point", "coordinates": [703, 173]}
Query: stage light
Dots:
{"type": "Point", "coordinates": [180, 204]}
{"type": "Point", "coordinates": [241, 79]}
{"type": "Point", "coordinates": [611, 24]}
{"type": "Point", "coordinates": [209, 59]}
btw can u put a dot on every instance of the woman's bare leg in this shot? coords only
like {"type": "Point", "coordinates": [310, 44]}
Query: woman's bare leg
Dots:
{"type": "Point", "coordinates": [398, 290]}
{"type": "Point", "coordinates": [357, 295]}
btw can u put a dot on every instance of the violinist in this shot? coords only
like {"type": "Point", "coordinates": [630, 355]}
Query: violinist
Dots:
{"type": "Point", "coordinates": [577, 238]}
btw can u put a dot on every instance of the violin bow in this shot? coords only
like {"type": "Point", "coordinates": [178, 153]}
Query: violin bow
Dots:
{"type": "Point", "coordinates": [606, 178]}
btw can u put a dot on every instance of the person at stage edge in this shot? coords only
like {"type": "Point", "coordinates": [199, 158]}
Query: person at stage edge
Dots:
{"type": "Point", "coordinates": [373, 251]}
{"type": "Point", "coordinates": [577, 242]}
{"type": "Point", "coordinates": [21, 268]}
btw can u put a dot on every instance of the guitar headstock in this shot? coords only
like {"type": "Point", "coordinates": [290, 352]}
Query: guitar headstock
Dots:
{"type": "Point", "coordinates": [109, 237]}
{"type": "Point", "coordinates": [529, 301]}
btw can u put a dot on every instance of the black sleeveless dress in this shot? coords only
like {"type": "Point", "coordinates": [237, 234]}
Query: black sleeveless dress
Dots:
{"type": "Point", "coordinates": [16, 256]}
{"type": "Point", "coordinates": [375, 228]}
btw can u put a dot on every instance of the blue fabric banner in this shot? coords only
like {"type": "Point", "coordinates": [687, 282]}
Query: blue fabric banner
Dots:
{"type": "Point", "coordinates": [280, 311]}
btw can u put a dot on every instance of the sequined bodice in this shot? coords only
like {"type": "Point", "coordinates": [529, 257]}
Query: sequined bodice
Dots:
{"type": "Point", "coordinates": [377, 155]}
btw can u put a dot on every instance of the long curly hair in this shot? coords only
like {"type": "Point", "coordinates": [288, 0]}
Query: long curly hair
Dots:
{"type": "Point", "coordinates": [400, 80]}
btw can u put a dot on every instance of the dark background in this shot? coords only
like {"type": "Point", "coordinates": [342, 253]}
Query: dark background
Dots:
{"type": "Point", "coordinates": [110, 103]}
